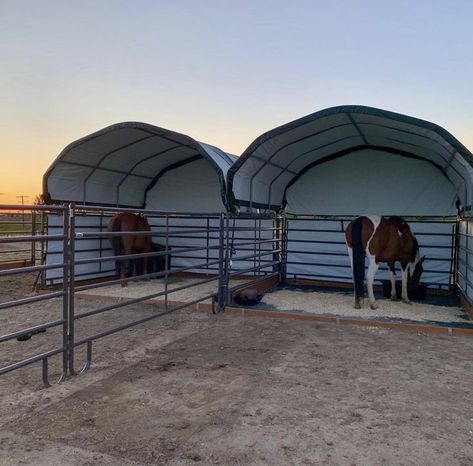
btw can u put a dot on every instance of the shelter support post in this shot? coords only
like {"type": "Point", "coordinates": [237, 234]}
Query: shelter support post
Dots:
{"type": "Point", "coordinates": [466, 258]}
{"type": "Point", "coordinates": [70, 237]}
{"type": "Point", "coordinates": [223, 262]}
{"type": "Point", "coordinates": [284, 245]}
{"type": "Point", "coordinates": [65, 297]}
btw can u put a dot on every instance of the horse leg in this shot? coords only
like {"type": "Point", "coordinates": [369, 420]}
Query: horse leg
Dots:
{"type": "Point", "coordinates": [392, 272]}
{"type": "Point", "coordinates": [405, 276]}
{"type": "Point", "coordinates": [145, 266]}
{"type": "Point", "coordinates": [123, 265]}
{"type": "Point", "coordinates": [122, 273]}
{"type": "Point", "coordinates": [356, 301]}
{"type": "Point", "coordinates": [372, 269]}
{"type": "Point", "coordinates": [127, 243]}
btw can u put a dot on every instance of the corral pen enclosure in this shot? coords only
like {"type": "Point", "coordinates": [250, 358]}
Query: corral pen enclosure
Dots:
{"type": "Point", "coordinates": [272, 221]}
{"type": "Point", "coordinates": [257, 236]}
{"type": "Point", "coordinates": [327, 168]}
{"type": "Point", "coordinates": [202, 261]}
{"type": "Point", "coordinates": [195, 258]}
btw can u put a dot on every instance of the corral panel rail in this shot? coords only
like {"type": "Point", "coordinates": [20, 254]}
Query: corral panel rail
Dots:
{"type": "Point", "coordinates": [254, 249]}
{"type": "Point", "coordinates": [465, 258]}
{"type": "Point", "coordinates": [221, 252]}
{"type": "Point", "coordinates": [20, 221]}
{"type": "Point", "coordinates": [195, 257]}
{"type": "Point", "coordinates": [23, 316]}
{"type": "Point", "coordinates": [77, 246]}
{"type": "Point", "coordinates": [181, 243]}
{"type": "Point", "coordinates": [316, 250]}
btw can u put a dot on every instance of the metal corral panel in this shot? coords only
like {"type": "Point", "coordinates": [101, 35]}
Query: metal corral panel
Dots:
{"type": "Point", "coordinates": [317, 251]}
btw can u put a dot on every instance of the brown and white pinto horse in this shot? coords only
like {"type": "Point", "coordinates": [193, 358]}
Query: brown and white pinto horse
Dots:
{"type": "Point", "coordinates": [382, 239]}
{"type": "Point", "coordinates": [129, 244]}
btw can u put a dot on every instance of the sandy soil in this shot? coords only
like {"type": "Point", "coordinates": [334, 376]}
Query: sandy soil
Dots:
{"type": "Point", "coordinates": [14, 251]}
{"type": "Point", "coordinates": [192, 388]}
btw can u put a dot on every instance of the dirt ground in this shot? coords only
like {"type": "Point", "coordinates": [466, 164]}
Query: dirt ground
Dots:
{"type": "Point", "coordinates": [15, 251]}
{"type": "Point", "coordinates": [191, 388]}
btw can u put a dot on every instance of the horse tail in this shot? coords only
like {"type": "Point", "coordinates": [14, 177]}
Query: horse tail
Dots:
{"type": "Point", "coordinates": [358, 257]}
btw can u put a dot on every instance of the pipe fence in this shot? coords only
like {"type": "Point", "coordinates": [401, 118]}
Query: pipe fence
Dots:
{"type": "Point", "coordinates": [465, 257]}
{"type": "Point", "coordinates": [217, 249]}
{"type": "Point", "coordinates": [222, 252]}
{"type": "Point", "coordinates": [316, 250]}
{"type": "Point", "coordinates": [18, 221]}
{"type": "Point", "coordinates": [28, 309]}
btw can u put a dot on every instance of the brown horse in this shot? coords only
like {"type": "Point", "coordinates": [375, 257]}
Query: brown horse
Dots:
{"type": "Point", "coordinates": [129, 244]}
{"type": "Point", "coordinates": [382, 239]}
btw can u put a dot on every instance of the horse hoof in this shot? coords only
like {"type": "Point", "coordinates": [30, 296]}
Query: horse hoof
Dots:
{"type": "Point", "coordinates": [373, 306]}
{"type": "Point", "coordinates": [406, 301]}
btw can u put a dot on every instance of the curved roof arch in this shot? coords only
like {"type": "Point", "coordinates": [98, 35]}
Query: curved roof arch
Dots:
{"type": "Point", "coordinates": [119, 164]}
{"type": "Point", "coordinates": [279, 157]}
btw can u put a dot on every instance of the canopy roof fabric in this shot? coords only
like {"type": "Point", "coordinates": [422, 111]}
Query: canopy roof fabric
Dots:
{"type": "Point", "coordinates": [278, 158]}
{"type": "Point", "coordinates": [119, 164]}
{"type": "Point", "coordinates": [367, 182]}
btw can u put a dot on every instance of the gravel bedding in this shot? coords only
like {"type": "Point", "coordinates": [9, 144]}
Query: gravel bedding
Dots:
{"type": "Point", "coordinates": [143, 288]}
{"type": "Point", "coordinates": [338, 303]}
{"type": "Point", "coordinates": [341, 304]}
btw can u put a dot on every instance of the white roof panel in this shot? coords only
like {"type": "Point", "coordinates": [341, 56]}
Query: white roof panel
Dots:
{"type": "Point", "coordinates": [335, 132]}
{"type": "Point", "coordinates": [119, 164]}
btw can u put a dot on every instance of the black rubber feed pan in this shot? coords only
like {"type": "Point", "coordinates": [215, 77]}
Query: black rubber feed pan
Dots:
{"type": "Point", "coordinates": [248, 297]}
{"type": "Point", "coordinates": [414, 292]}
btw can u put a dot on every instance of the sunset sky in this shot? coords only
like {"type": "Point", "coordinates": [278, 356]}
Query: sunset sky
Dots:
{"type": "Point", "coordinates": [222, 72]}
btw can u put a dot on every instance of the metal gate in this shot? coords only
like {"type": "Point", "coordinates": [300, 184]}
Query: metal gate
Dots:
{"type": "Point", "coordinates": [465, 258]}
{"type": "Point", "coordinates": [215, 248]}
{"type": "Point", "coordinates": [254, 249]}
{"type": "Point", "coordinates": [28, 305]}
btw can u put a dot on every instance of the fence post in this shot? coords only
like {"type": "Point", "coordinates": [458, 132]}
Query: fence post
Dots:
{"type": "Point", "coordinates": [33, 233]}
{"type": "Point", "coordinates": [278, 244]}
{"type": "Point", "coordinates": [467, 233]}
{"type": "Point", "coordinates": [65, 289]}
{"type": "Point", "coordinates": [71, 277]}
{"type": "Point", "coordinates": [223, 262]}
{"type": "Point", "coordinates": [453, 281]}
{"type": "Point", "coordinates": [166, 266]}
{"type": "Point", "coordinates": [284, 247]}
{"type": "Point", "coordinates": [44, 229]}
